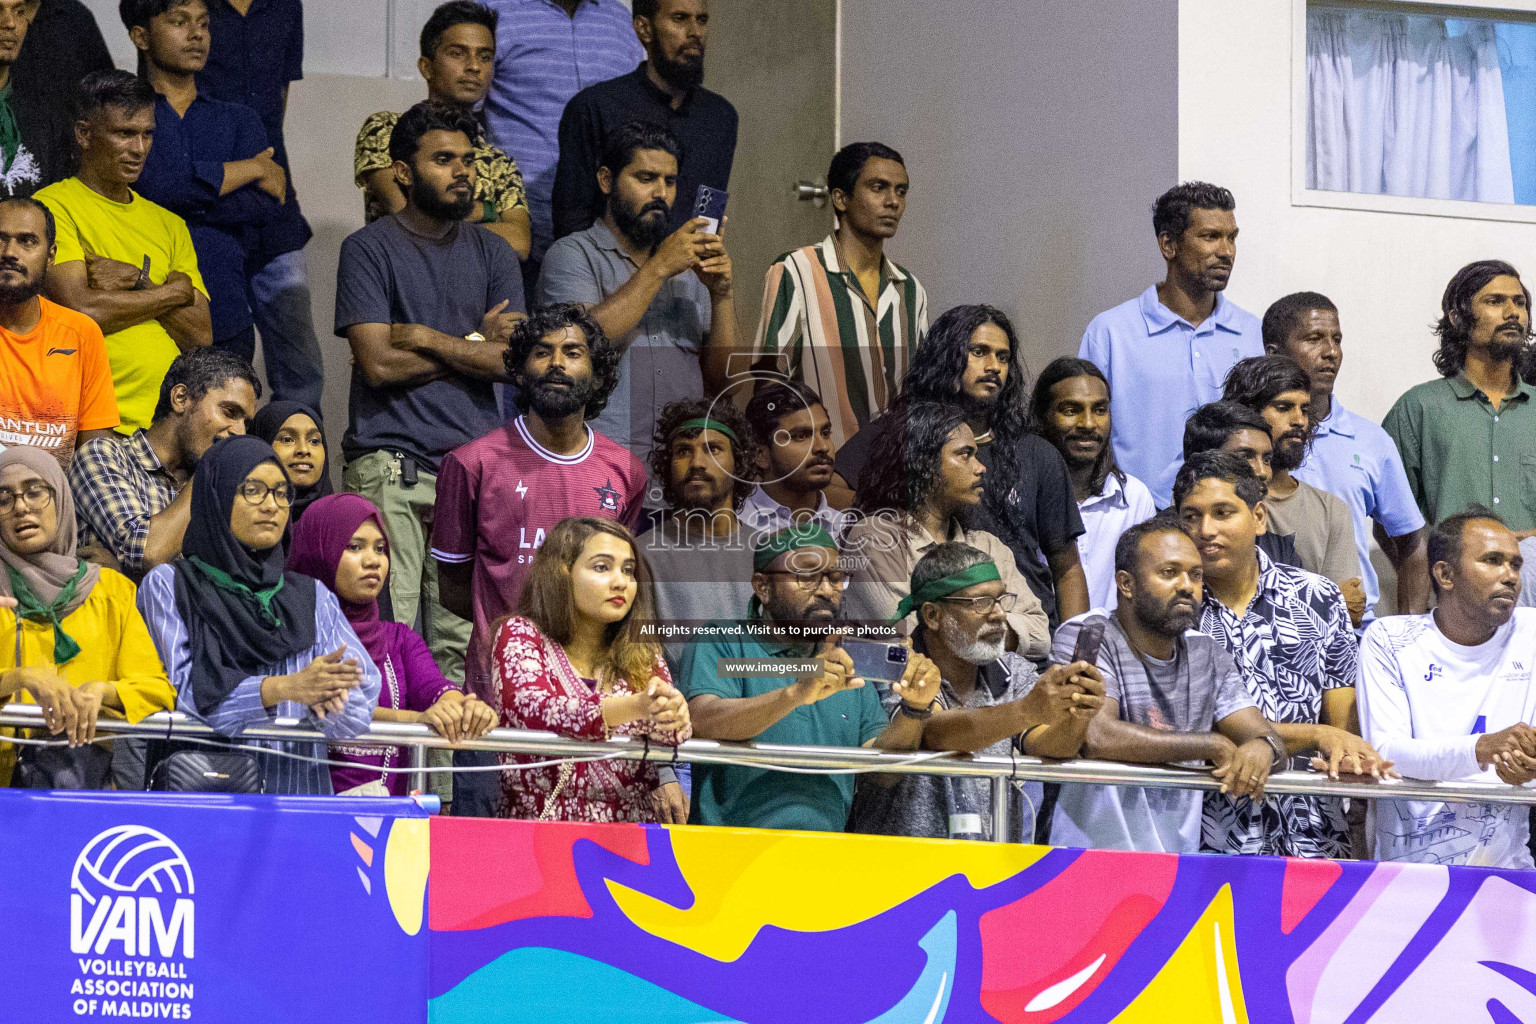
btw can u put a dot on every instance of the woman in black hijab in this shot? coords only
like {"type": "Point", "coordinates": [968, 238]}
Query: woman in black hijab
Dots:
{"type": "Point", "coordinates": [243, 641]}
{"type": "Point", "coordinates": [295, 432]}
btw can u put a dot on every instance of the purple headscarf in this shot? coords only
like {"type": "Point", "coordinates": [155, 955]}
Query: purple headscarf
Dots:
{"type": "Point", "coordinates": [315, 549]}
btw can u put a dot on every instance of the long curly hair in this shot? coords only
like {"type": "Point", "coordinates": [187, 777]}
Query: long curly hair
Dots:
{"type": "Point", "coordinates": [910, 435]}
{"type": "Point", "coordinates": [743, 449]}
{"type": "Point", "coordinates": [1454, 327]}
{"type": "Point", "coordinates": [548, 600]}
{"type": "Point", "coordinates": [540, 324]}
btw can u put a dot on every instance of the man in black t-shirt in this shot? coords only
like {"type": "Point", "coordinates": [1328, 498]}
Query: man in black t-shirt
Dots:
{"type": "Point", "coordinates": [971, 355]}
{"type": "Point", "coordinates": [41, 150]}
{"type": "Point", "coordinates": [427, 304]}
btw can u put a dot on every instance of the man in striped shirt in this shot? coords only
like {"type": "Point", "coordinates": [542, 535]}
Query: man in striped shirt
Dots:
{"type": "Point", "coordinates": [839, 315]}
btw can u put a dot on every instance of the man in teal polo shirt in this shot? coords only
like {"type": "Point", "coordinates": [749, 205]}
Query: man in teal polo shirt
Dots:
{"type": "Point", "coordinates": [797, 585]}
{"type": "Point", "coordinates": [1470, 437]}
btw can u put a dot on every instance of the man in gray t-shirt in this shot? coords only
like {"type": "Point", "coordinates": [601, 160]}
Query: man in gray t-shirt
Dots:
{"type": "Point", "coordinates": [664, 299]}
{"type": "Point", "coordinates": [427, 304]}
{"type": "Point", "coordinates": [1172, 697]}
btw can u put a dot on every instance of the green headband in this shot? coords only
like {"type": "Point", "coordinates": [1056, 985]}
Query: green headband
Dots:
{"type": "Point", "coordinates": [933, 590]}
{"type": "Point", "coordinates": [791, 538]}
{"type": "Point", "coordinates": [705, 423]}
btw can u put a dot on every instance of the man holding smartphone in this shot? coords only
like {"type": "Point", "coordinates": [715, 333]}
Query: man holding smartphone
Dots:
{"type": "Point", "coordinates": [663, 297]}
{"type": "Point", "coordinates": [797, 586]}
{"type": "Point", "coordinates": [990, 701]}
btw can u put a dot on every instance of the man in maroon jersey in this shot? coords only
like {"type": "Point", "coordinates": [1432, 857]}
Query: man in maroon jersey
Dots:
{"type": "Point", "coordinates": [500, 494]}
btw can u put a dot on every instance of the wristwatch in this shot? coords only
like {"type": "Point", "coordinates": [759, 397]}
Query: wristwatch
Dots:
{"type": "Point", "coordinates": [474, 336]}
{"type": "Point", "coordinates": [919, 714]}
{"type": "Point", "coordinates": [1281, 754]}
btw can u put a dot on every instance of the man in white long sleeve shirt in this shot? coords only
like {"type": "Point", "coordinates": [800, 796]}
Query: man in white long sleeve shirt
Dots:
{"type": "Point", "coordinates": [1451, 695]}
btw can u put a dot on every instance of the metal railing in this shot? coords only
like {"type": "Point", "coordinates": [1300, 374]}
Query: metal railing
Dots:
{"type": "Point", "coordinates": [1002, 771]}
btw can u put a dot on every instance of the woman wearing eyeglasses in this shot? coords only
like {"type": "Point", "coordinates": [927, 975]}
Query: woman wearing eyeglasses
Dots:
{"type": "Point", "coordinates": [71, 639]}
{"type": "Point", "coordinates": [245, 642]}
{"type": "Point", "coordinates": [574, 662]}
{"type": "Point", "coordinates": [921, 480]}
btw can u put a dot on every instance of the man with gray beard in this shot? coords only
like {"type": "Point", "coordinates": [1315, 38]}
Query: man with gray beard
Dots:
{"type": "Point", "coordinates": [990, 700]}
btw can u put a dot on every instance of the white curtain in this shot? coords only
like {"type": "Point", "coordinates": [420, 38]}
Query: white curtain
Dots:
{"type": "Point", "coordinates": [1398, 104]}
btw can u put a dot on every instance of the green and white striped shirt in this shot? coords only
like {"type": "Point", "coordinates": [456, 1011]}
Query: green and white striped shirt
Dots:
{"type": "Point", "coordinates": [853, 354]}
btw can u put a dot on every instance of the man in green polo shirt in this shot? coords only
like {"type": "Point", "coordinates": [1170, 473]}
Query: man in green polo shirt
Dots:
{"type": "Point", "coordinates": [1470, 437]}
{"type": "Point", "coordinates": [797, 585]}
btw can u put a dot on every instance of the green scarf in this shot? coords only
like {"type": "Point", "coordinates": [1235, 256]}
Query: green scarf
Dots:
{"type": "Point", "coordinates": [705, 423]}
{"type": "Point", "coordinates": [224, 581]}
{"type": "Point", "coordinates": [31, 608]}
{"type": "Point", "coordinates": [10, 130]}
{"type": "Point", "coordinates": [933, 590]}
{"type": "Point", "coordinates": [791, 538]}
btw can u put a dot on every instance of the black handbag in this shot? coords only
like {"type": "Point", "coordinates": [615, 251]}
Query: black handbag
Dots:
{"type": "Point", "coordinates": [194, 770]}
{"type": "Point", "coordinates": [84, 767]}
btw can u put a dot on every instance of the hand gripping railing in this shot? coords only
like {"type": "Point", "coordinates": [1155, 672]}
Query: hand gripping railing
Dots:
{"type": "Point", "coordinates": [1002, 771]}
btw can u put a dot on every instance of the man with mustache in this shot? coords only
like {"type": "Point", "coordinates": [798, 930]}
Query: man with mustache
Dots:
{"type": "Point", "coordinates": [665, 297]}
{"type": "Point", "coordinates": [1280, 391]}
{"type": "Point", "coordinates": [1176, 340]}
{"type": "Point", "coordinates": [1071, 409]}
{"type": "Point", "coordinates": [458, 55]}
{"type": "Point", "coordinates": [499, 495]}
{"type": "Point", "coordinates": [1289, 632]}
{"type": "Point", "coordinates": [666, 90]}
{"type": "Point", "coordinates": [1470, 436]}
{"type": "Point", "coordinates": [699, 548]}
{"type": "Point", "coordinates": [797, 597]}
{"type": "Point", "coordinates": [211, 164]}
{"type": "Point", "coordinates": [991, 701]}
{"type": "Point", "coordinates": [123, 260]}
{"type": "Point", "coordinates": [428, 304]}
{"type": "Point", "coordinates": [55, 382]}
{"type": "Point", "coordinates": [1171, 696]}
{"type": "Point", "coordinates": [1351, 457]}
{"type": "Point", "coordinates": [1450, 695]}
{"type": "Point", "coordinates": [38, 149]}
{"type": "Point", "coordinates": [796, 460]}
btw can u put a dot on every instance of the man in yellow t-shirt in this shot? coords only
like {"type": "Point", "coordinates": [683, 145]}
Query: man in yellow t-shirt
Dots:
{"type": "Point", "coordinates": [123, 261]}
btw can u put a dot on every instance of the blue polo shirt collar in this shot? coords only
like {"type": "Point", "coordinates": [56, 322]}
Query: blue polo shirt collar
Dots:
{"type": "Point", "coordinates": [1159, 317]}
{"type": "Point", "coordinates": [1340, 421]}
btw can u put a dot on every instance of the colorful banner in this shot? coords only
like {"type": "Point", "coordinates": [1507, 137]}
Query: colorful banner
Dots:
{"type": "Point", "coordinates": [258, 910]}
{"type": "Point", "coordinates": [535, 923]}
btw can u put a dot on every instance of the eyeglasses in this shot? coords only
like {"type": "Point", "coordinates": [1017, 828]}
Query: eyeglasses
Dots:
{"type": "Point", "coordinates": [37, 497]}
{"type": "Point", "coordinates": [812, 581]}
{"type": "Point", "coordinates": [255, 492]}
{"type": "Point", "coordinates": [984, 605]}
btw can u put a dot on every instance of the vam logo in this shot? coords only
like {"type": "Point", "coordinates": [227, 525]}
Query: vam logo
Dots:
{"type": "Point", "coordinates": [131, 886]}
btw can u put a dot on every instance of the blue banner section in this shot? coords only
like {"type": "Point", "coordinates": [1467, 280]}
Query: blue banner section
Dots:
{"type": "Point", "coordinates": [213, 908]}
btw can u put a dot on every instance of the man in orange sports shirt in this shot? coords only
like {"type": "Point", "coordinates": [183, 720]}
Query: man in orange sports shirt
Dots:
{"type": "Point", "coordinates": [55, 381]}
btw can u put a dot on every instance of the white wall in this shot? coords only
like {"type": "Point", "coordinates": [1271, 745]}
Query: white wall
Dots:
{"type": "Point", "coordinates": [1036, 135]}
{"type": "Point", "coordinates": [1385, 271]}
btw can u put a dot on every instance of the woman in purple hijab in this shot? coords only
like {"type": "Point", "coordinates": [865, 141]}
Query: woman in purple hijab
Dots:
{"type": "Point", "coordinates": [340, 542]}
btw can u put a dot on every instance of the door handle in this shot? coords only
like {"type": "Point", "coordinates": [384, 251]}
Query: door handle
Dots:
{"type": "Point", "coordinates": [811, 192]}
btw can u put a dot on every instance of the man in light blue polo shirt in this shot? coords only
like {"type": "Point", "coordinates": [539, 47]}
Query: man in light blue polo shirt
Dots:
{"type": "Point", "coordinates": [1351, 457]}
{"type": "Point", "coordinates": [1167, 351]}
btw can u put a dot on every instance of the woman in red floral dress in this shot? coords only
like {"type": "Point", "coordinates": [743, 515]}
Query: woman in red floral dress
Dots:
{"type": "Point", "coordinates": [573, 663]}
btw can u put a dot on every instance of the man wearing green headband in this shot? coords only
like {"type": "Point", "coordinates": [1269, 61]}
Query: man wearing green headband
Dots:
{"type": "Point", "coordinates": [991, 701]}
{"type": "Point", "coordinates": [798, 589]}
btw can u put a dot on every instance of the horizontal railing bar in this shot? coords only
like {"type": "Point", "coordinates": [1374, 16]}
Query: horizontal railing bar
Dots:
{"type": "Point", "coordinates": [771, 756]}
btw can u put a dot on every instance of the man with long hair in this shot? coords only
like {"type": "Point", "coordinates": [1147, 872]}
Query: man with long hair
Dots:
{"type": "Point", "coordinates": [923, 475]}
{"type": "Point", "coordinates": [1468, 437]}
{"type": "Point", "coordinates": [971, 360]}
{"type": "Point", "coordinates": [1167, 350]}
{"type": "Point", "coordinates": [1071, 409]}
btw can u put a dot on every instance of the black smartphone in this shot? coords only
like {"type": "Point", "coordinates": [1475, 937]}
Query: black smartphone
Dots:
{"type": "Point", "coordinates": [1089, 640]}
{"type": "Point", "coordinates": [876, 662]}
{"type": "Point", "coordinates": [710, 204]}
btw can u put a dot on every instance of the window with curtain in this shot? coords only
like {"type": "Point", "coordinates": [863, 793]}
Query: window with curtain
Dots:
{"type": "Point", "coordinates": [1417, 104]}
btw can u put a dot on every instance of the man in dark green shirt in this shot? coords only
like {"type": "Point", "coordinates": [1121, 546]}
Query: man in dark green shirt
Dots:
{"type": "Point", "coordinates": [1470, 437]}
{"type": "Point", "coordinates": [798, 586]}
